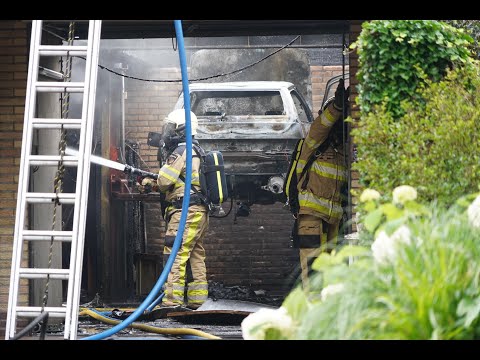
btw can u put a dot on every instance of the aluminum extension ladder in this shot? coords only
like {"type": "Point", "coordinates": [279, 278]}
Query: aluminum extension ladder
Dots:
{"type": "Point", "coordinates": [79, 198]}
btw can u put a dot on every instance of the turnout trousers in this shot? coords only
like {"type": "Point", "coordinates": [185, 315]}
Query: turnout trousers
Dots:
{"type": "Point", "coordinates": [189, 264]}
{"type": "Point", "coordinates": [315, 236]}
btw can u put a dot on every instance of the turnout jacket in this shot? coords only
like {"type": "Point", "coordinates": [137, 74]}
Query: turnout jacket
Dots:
{"type": "Point", "coordinates": [319, 191]}
{"type": "Point", "coordinates": [169, 180]}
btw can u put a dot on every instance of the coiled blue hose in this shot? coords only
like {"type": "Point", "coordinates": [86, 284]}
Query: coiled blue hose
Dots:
{"type": "Point", "coordinates": [186, 200]}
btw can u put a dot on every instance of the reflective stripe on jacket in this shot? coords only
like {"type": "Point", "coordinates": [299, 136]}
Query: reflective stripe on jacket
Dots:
{"type": "Point", "coordinates": [169, 180]}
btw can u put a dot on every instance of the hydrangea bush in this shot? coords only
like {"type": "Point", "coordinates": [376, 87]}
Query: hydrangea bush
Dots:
{"type": "Point", "coordinates": [418, 278]}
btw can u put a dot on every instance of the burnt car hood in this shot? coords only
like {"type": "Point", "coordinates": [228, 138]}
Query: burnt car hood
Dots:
{"type": "Point", "coordinates": [244, 127]}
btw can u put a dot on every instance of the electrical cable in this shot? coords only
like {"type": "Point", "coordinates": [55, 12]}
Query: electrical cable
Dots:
{"type": "Point", "coordinates": [186, 200]}
{"type": "Point", "coordinates": [198, 79]}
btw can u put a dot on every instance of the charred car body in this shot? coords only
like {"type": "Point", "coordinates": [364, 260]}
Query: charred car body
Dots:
{"type": "Point", "coordinates": [255, 124]}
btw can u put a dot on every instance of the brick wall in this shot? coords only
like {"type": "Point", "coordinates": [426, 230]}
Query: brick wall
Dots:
{"type": "Point", "coordinates": [320, 75]}
{"type": "Point", "coordinates": [254, 251]}
{"type": "Point", "coordinates": [145, 108]}
{"type": "Point", "coordinates": [13, 76]}
{"type": "Point", "coordinates": [355, 29]}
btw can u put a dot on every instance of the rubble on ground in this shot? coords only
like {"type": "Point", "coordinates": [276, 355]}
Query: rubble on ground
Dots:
{"type": "Point", "coordinates": [219, 291]}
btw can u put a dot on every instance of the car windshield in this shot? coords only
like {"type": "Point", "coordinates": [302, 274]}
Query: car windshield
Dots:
{"type": "Point", "coordinates": [237, 103]}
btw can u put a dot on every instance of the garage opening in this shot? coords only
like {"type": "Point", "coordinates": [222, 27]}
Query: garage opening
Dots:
{"type": "Point", "coordinates": [249, 253]}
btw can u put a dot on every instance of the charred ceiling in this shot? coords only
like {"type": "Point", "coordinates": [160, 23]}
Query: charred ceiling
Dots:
{"type": "Point", "coordinates": [144, 29]}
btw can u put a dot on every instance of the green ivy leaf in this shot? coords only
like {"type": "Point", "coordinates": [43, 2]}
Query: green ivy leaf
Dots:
{"type": "Point", "coordinates": [413, 50]}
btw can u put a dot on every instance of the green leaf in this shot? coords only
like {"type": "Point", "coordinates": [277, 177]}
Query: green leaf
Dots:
{"type": "Point", "coordinates": [390, 226]}
{"type": "Point", "coordinates": [362, 264]}
{"type": "Point", "coordinates": [273, 334]}
{"type": "Point", "coordinates": [470, 308]}
{"type": "Point", "coordinates": [370, 206]}
{"type": "Point", "coordinates": [324, 261]}
{"type": "Point", "coordinates": [372, 220]}
{"type": "Point", "coordinates": [466, 200]}
{"type": "Point", "coordinates": [416, 208]}
{"type": "Point", "coordinates": [296, 303]}
{"type": "Point", "coordinates": [352, 250]}
{"type": "Point", "coordinates": [391, 211]}
{"type": "Point", "coordinates": [415, 51]}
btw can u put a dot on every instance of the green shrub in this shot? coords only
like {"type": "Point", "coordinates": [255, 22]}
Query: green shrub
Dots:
{"type": "Point", "coordinates": [397, 56]}
{"type": "Point", "coordinates": [472, 27]}
{"type": "Point", "coordinates": [429, 290]}
{"type": "Point", "coordinates": [420, 279]}
{"type": "Point", "coordinates": [435, 148]}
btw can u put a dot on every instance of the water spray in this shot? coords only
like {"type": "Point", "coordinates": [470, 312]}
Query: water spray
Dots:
{"type": "Point", "coordinates": [127, 169]}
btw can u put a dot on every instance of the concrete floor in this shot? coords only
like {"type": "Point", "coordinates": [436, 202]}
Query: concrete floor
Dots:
{"type": "Point", "coordinates": [227, 332]}
{"type": "Point", "coordinates": [221, 318]}
{"type": "Point", "coordinates": [220, 323]}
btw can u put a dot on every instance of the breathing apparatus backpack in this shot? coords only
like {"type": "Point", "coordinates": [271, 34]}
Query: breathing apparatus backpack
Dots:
{"type": "Point", "coordinates": [213, 182]}
{"type": "Point", "coordinates": [290, 186]}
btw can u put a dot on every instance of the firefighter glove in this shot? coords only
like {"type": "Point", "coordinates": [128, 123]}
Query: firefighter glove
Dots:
{"type": "Point", "coordinates": [340, 95]}
{"type": "Point", "coordinates": [147, 185]}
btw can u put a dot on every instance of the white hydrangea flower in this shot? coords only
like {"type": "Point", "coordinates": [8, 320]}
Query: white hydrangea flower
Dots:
{"type": "Point", "coordinates": [255, 325]}
{"type": "Point", "coordinates": [402, 234]}
{"type": "Point", "coordinates": [331, 290]}
{"type": "Point", "coordinates": [473, 213]}
{"type": "Point", "coordinates": [369, 194]}
{"type": "Point", "coordinates": [404, 193]}
{"type": "Point", "coordinates": [383, 248]}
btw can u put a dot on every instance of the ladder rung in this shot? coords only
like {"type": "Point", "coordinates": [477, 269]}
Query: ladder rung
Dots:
{"type": "Point", "coordinates": [56, 123]}
{"type": "Point", "coordinates": [54, 86]}
{"type": "Point", "coordinates": [46, 198]}
{"type": "Point", "coordinates": [52, 160]}
{"type": "Point", "coordinates": [62, 50]}
{"type": "Point", "coordinates": [29, 273]}
{"type": "Point", "coordinates": [40, 235]}
{"type": "Point", "coordinates": [34, 311]}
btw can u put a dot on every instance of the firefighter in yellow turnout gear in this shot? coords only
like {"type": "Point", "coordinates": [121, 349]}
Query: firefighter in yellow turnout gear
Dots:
{"type": "Point", "coordinates": [320, 187]}
{"type": "Point", "coordinates": [190, 259]}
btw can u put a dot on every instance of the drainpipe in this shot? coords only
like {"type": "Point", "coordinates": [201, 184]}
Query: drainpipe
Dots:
{"type": "Point", "coordinates": [122, 70]}
{"type": "Point", "coordinates": [346, 139]}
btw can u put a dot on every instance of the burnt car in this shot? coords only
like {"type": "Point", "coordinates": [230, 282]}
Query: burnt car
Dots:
{"type": "Point", "coordinates": [255, 124]}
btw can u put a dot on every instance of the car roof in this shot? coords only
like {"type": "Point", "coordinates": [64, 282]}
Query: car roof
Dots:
{"type": "Point", "coordinates": [242, 85]}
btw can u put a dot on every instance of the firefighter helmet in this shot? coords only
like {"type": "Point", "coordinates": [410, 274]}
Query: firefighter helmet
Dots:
{"type": "Point", "coordinates": [177, 117]}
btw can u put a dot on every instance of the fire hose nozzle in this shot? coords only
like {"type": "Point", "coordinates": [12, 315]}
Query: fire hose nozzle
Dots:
{"type": "Point", "coordinates": [131, 170]}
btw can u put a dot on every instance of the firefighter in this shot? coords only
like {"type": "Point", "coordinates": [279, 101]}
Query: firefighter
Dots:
{"type": "Point", "coordinates": [190, 259]}
{"type": "Point", "coordinates": [320, 188]}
